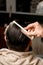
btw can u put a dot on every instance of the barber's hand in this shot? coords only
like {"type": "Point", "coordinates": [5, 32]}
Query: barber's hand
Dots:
{"type": "Point", "coordinates": [35, 29]}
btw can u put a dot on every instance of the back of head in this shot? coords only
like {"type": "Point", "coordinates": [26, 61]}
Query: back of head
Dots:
{"type": "Point", "coordinates": [16, 40]}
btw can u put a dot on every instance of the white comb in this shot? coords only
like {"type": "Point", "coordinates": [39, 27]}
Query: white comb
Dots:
{"type": "Point", "coordinates": [23, 30]}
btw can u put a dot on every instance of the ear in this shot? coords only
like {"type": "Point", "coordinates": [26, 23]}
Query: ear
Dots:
{"type": "Point", "coordinates": [5, 32]}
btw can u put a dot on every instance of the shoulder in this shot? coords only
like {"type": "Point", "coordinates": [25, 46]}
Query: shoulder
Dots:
{"type": "Point", "coordinates": [7, 56]}
{"type": "Point", "coordinates": [5, 51]}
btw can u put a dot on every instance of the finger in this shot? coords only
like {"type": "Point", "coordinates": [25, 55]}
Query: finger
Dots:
{"type": "Point", "coordinates": [32, 34]}
{"type": "Point", "coordinates": [29, 30]}
{"type": "Point", "coordinates": [30, 26]}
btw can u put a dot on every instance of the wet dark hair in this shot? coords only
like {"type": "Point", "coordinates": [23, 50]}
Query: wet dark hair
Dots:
{"type": "Point", "coordinates": [16, 40]}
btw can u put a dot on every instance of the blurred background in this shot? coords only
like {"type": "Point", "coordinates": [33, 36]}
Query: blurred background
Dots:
{"type": "Point", "coordinates": [24, 12]}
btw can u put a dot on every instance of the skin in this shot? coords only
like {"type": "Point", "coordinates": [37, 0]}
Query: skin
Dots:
{"type": "Point", "coordinates": [29, 44]}
{"type": "Point", "coordinates": [35, 29]}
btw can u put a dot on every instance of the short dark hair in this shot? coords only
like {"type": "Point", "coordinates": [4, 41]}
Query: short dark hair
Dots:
{"type": "Point", "coordinates": [16, 40]}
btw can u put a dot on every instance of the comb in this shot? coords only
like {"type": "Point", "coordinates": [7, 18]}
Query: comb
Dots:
{"type": "Point", "coordinates": [23, 30]}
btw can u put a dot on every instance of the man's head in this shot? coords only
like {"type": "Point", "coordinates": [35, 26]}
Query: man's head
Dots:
{"type": "Point", "coordinates": [15, 39]}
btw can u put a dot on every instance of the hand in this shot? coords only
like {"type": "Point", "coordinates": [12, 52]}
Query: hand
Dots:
{"type": "Point", "coordinates": [35, 29]}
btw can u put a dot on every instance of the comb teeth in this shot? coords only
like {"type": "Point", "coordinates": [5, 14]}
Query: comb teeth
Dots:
{"type": "Point", "coordinates": [23, 30]}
